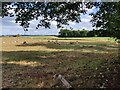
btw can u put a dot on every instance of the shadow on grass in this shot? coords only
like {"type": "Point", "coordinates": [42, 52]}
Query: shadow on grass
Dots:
{"type": "Point", "coordinates": [74, 66]}
{"type": "Point", "coordinates": [58, 58]}
{"type": "Point", "coordinates": [74, 45]}
{"type": "Point", "coordinates": [19, 76]}
{"type": "Point", "coordinates": [27, 55]}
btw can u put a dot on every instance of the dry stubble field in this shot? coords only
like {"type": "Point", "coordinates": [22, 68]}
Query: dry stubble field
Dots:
{"type": "Point", "coordinates": [83, 62]}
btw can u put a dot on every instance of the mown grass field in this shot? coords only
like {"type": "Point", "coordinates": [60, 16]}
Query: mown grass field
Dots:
{"type": "Point", "coordinates": [83, 62]}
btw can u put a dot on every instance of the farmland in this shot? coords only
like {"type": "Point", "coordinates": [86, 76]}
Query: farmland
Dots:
{"type": "Point", "coordinates": [84, 62]}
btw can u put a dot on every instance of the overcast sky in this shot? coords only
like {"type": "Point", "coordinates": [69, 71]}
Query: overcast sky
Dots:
{"type": "Point", "coordinates": [9, 27]}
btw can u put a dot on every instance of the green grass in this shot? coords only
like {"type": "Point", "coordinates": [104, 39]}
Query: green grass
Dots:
{"type": "Point", "coordinates": [42, 37]}
{"type": "Point", "coordinates": [81, 69]}
{"type": "Point", "coordinates": [71, 38]}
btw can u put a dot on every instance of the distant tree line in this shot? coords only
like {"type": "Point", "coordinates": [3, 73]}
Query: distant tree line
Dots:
{"type": "Point", "coordinates": [84, 33]}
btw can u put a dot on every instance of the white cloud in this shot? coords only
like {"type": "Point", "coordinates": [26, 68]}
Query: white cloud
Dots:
{"type": "Point", "coordinates": [36, 31]}
{"type": "Point", "coordinates": [11, 11]}
{"type": "Point", "coordinates": [85, 20]}
{"type": "Point", "coordinates": [84, 28]}
{"type": "Point", "coordinates": [54, 23]}
{"type": "Point", "coordinates": [72, 23]}
{"type": "Point", "coordinates": [10, 27]}
{"type": "Point", "coordinates": [90, 10]}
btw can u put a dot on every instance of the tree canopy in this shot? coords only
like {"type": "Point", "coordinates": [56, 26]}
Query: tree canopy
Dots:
{"type": "Point", "coordinates": [61, 12]}
{"type": "Point", "coordinates": [83, 33]}
{"type": "Point", "coordinates": [106, 18]}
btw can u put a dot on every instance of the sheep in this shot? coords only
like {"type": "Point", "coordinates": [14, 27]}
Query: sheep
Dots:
{"type": "Point", "coordinates": [77, 42]}
{"type": "Point", "coordinates": [48, 40]}
{"type": "Point", "coordinates": [15, 41]}
{"type": "Point", "coordinates": [56, 42]}
{"type": "Point", "coordinates": [24, 42]}
{"type": "Point", "coordinates": [71, 42]}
